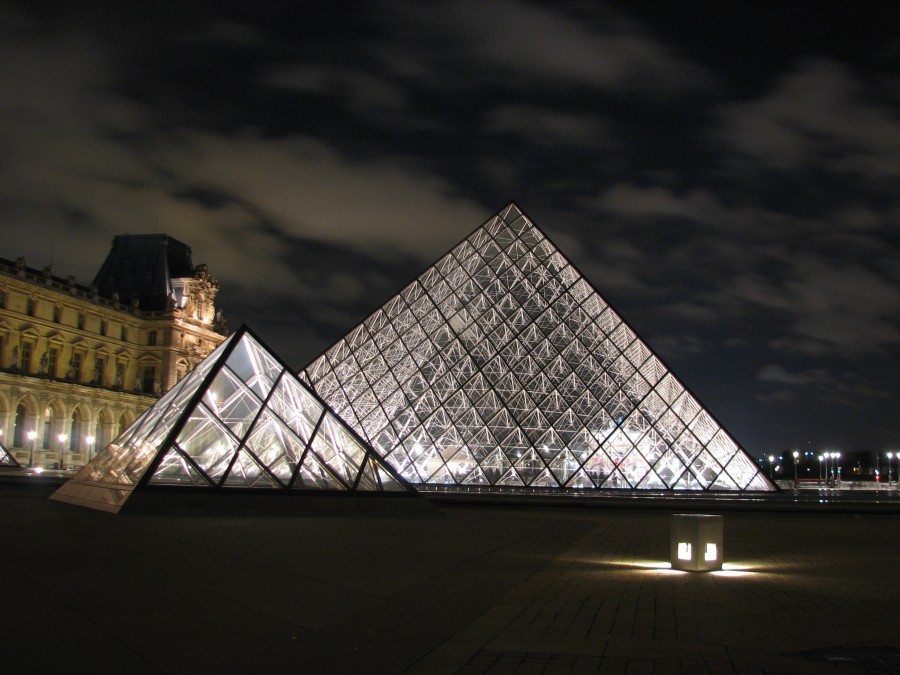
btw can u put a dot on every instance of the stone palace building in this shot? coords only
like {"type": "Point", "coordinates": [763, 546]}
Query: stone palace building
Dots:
{"type": "Point", "coordinates": [78, 364]}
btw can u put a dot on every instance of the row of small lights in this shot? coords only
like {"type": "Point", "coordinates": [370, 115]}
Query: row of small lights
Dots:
{"type": "Point", "coordinates": [825, 457]}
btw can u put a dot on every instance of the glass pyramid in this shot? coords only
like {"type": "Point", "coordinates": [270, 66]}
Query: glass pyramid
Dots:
{"type": "Point", "coordinates": [240, 419]}
{"type": "Point", "coordinates": [501, 365]}
{"type": "Point", "coordinates": [6, 459]}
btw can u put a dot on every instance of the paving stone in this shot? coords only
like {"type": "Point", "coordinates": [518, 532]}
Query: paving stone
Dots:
{"type": "Point", "coordinates": [473, 590]}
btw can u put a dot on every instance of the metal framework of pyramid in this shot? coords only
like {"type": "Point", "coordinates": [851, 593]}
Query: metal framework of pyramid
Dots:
{"type": "Point", "coordinates": [240, 419]}
{"type": "Point", "coordinates": [6, 459]}
{"type": "Point", "coordinates": [501, 365]}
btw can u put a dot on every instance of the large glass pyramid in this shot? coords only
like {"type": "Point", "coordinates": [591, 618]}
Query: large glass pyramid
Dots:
{"type": "Point", "coordinates": [240, 419]}
{"type": "Point", "coordinates": [501, 365]}
{"type": "Point", "coordinates": [6, 459]}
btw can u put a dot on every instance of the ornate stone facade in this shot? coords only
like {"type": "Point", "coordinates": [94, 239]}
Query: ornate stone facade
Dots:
{"type": "Point", "coordinates": [78, 364]}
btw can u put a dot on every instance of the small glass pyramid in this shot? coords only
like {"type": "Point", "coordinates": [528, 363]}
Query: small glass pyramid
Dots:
{"type": "Point", "coordinates": [6, 459]}
{"type": "Point", "coordinates": [240, 419]}
{"type": "Point", "coordinates": [501, 365]}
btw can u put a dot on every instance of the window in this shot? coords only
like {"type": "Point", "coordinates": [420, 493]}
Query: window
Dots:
{"type": "Point", "coordinates": [19, 431]}
{"type": "Point", "coordinates": [77, 431]}
{"type": "Point", "coordinates": [148, 379]}
{"type": "Point", "coordinates": [75, 366]}
{"type": "Point", "coordinates": [57, 314]}
{"type": "Point", "coordinates": [52, 361]}
{"type": "Point", "coordinates": [99, 369]}
{"type": "Point", "coordinates": [151, 338]}
{"type": "Point", "coordinates": [122, 333]}
{"type": "Point", "coordinates": [45, 437]}
{"type": "Point", "coordinates": [29, 307]}
{"type": "Point", "coordinates": [102, 327]}
{"type": "Point", "coordinates": [80, 321]}
{"type": "Point", "coordinates": [26, 356]}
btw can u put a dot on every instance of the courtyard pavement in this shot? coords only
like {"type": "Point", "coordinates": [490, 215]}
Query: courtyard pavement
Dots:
{"type": "Point", "coordinates": [458, 589]}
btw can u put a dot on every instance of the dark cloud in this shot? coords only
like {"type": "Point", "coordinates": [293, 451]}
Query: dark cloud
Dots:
{"type": "Point", "coordinates": [534, 44]}
{"type": "Point", "coordinates": [818, 115]}
{"type": "Point", "coordinates": [847, 389]}
{"type": "Point", "coordinates": [551, 128]}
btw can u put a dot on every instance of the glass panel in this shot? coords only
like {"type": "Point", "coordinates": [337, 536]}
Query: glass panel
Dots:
{"type": "Point", "coordinates": [387, 481]}
{"type": "Point", "coordinates": [276, 446]}
{"type": "Point", "coordinates": [207, 442]}
{"type": "Point", "coordinates": [174, 469]}
{"type": "Point", "coordinates": [339, 450]}
{"type": "Point", "coordinates": [246, 472]}
{"type": "Point", "coordinates": [254, 366]}
{"type": "Point", "coordinates": [296, 407]}
{"type": "Point", "coordinates": [231, 401]}
{"type": "Point", "coordinates": [314, 475]}
{"type": "Point", "coordinates": [368, 480]}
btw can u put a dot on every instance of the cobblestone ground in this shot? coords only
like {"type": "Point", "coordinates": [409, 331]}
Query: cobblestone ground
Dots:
{"type": "Point", "coordinates": [800, 594]}
{"type": "Point", "coordinates": [464, 589]}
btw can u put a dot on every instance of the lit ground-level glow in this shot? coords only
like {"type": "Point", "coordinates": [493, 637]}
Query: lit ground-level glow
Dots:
{"type": "Point", "coordinates": [728, 569]}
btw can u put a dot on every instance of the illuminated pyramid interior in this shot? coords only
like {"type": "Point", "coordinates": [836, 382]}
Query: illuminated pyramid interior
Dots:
{"type": "Point", "coordinates": [501, 365]}
{"type": "Point", "coordinates": [241, 419]}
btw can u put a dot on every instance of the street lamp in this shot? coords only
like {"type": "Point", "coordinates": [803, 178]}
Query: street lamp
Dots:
{"type": "Point", "coordinates": [90, 443]}
{"type": "Point", "coordinates": [890, 457]}
{"type": "Point", "coordinates": [835, 468]}
{"type": "Point", "coordinates": [897, 455]}
{"type": "Point", "coordinates": [821, 460]}
{"type": "Point", "coordinates": [62, 438]}
{"type": "Point", "coordinates": [795, 455]}
{"type": "Point", "coordinates": [771, 466]}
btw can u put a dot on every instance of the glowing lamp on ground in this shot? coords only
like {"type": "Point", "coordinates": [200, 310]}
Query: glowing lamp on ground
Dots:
{"type": "Point", "coordinates": [696, 542]}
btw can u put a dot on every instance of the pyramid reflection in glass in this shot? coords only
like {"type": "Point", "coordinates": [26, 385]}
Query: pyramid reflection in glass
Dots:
{"type": "Point", "coordinates": [240, 419]}
{"type": "Point", "coordinates": [501, 365]}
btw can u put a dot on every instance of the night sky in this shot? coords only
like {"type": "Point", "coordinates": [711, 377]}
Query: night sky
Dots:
{"type": "Point", "coordinates": [727, 175]}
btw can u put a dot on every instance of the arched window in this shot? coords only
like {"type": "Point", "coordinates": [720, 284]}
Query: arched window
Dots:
{"type": "Point", "coordinates": [19, 430]}
{"type": "Point", "coordinates": [123, 424]}
{"type": "Point", "coordinates": [77, 430]}
{"type": "Point", "coordinates": [105, 430]}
